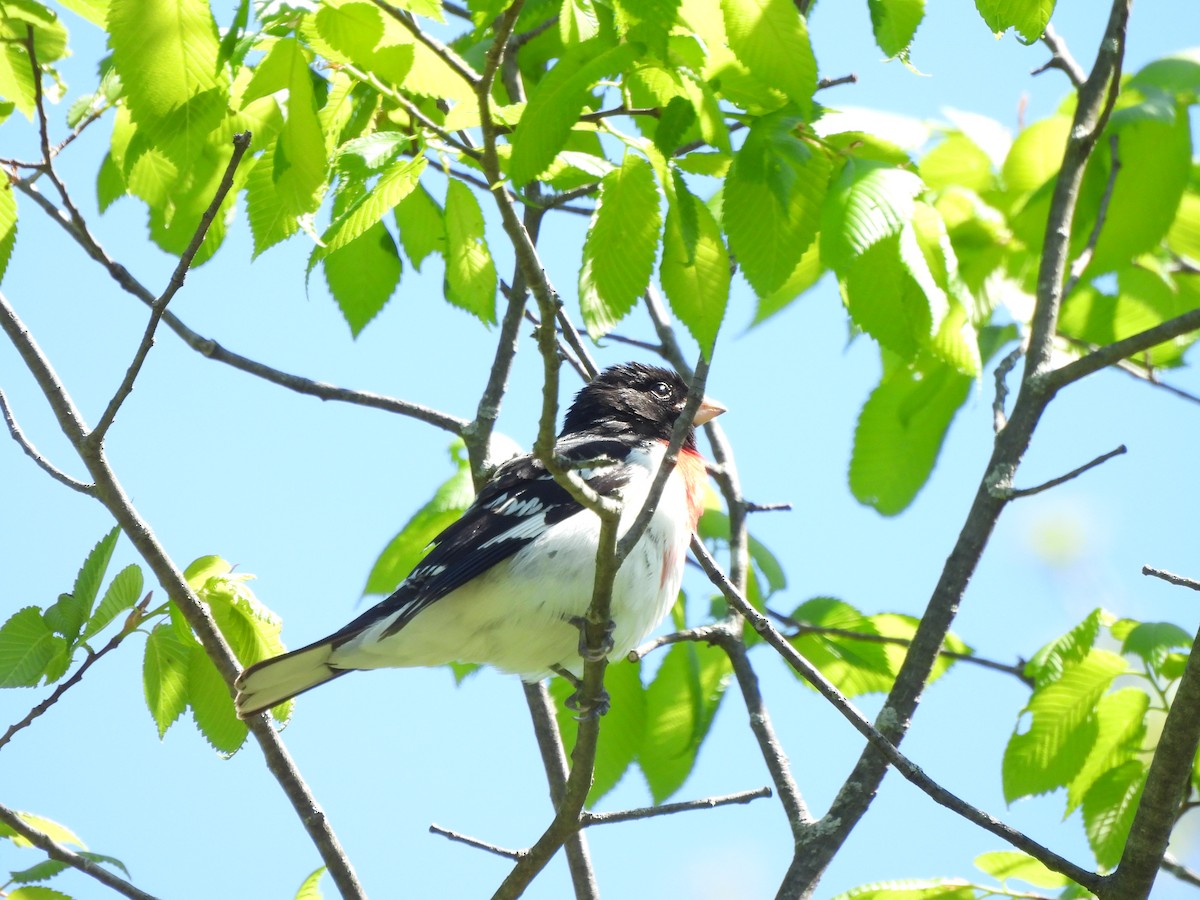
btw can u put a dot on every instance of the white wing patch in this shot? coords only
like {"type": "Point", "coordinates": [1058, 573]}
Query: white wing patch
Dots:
{"type": "Point", "coordinates": [527, 529]}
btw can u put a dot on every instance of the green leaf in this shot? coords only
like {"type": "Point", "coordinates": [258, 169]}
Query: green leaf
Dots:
{"type": "Point", "coordinates": [27, 648]}
{"type": "Point", "coordinates": [49, 35]}
{"type": "Point", "coordinates": [91, 573]}
{"type": "Point", "coordinates": [396, 182]}
{"type": "Point", "coordinates": [695, 273]}
{"type": "Point", "coordinates": [1121, 729]}
{"type": "Point", "coordinates": [1109, 808]}
{"type": "Point", "coordinates": [55, 831]}
{"type": "Point", "coordinates": [957, 161]}
{"type": "Point", "coordinates": [621, 243]}
{"type": "Point", "coordinates": [1028, 17]}
{"type": "Point", "coordinates": [1063, 728]}
{"type": "Point", "coordinates": [1052, 660]}
{"type": "Point", "coordinates": [900, 433]}
{"type": "Point", "coordinates": [165, 675]}
{"type": "Point", "coordinates": [925, 889]}
{"type": "Point", "coordinates": [886, 301]}
{"type": "Point", "coordinates": [624, 729]}
{"type": "Point", "coordinates": [271, 219]}
{"type": "Point", "coordinates": [1144, 299]}
{"type": "Point", "coordinates": [362, 275]}
{"type": "Point", "coordinates": [8, 226]}
{"type": "Point", "coordinates": [212, 706]}
{"type": "Point", "coordinates": [470, 272]}
{"type": "Point", "coordinates": [299, 160]}
{"type": "Point", "coordinates": [1005, 864]}
{"type": "Point", "coordinates": [577, 22]}
{"type": "Point", "coordinates": [773, 198]}
{"type": "Point", "coordinates": [680, 705]}
{"type": "Point", "coordinates": [166, 52]}
{"type": "Point", "coordinates": [47, 868]}
{"type": "Point", "coordinates": [556, 103]}
{"type": "Point", "coordinates": [714, 525]}
{"type": "Point", "coordinates": [310, 889]}
{"type": "Point", "coordinates": [1153, 641]}
{"type": "Point", "coordinates": [867, 203]}
{"type": "Point", "coordinates": [359, 33]}
{"type": "Point", "coordinates": [854, 666]}
{"type": "Point", "coordinates": [409, 547]}
{"type": "Point", "coordinates": [37, 892]}
{"type": "Point", "coordinates": [202, 569]}
{"type": "Point", "coordinates": [252, 630]}
{"type": "Point", "coordinates": [65, 616]}
{"type": "Point", "coordinates": [895, 23]}
{"type": "Point", "coordinates": [771, 38]}
{"type": "Point", "coordinates": [807, 273]}
{"type": "Point", "coordinates": [422, 226]}
{"type": "Point", "coordinates": [1156, 161]}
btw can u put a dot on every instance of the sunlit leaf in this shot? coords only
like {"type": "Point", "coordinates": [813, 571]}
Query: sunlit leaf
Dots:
{"type": "Point", "coordinates": [695, 274]}
{"type": "Point", "coordinates": [165, 669]}
{"type": "Point", "coordinates": [1109, 808]}
{"type": "Point", "coordinates": [470, 271]}
{"type": "Point", "coordinates": [771, 38]}
{"type": "Point", "coordinates": [1028, 17]}
{"type": "Point", "coordinates": [895, 23]}
{"type": "Point", "coordinates": [619, 250]}
{"type": "Point", "coordinates": [27, 648]}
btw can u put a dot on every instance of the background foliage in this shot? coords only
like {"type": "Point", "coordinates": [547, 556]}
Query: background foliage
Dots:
{"type": "Point", "coordinates": [365, 174]}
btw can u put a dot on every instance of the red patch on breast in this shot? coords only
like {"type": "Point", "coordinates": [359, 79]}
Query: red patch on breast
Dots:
{"type": "Point", "coordinates": [691, 467]}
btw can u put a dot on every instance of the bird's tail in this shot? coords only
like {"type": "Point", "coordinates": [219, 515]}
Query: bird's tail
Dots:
{"type": "Point", "coordinates": [272, 681]}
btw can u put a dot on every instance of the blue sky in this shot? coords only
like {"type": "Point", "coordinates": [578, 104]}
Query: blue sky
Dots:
{"type": "Point", "coordinates": [305, 494]}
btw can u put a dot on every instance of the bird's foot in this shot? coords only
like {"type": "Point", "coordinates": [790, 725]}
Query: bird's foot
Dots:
{"type": "Point", "coordinates": [576, 703]}
{"type": "Point", "coordinates": [606, 645]}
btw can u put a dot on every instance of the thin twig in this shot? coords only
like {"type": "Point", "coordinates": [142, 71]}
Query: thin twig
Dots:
{"type": "Point", "coordinates": [241, 143]}
{"type": "Point", "coordinates": [802, 628]}
{"type": "Point", "coordinates": [708, 633]}
{"type": "Point", "coordinates": [459, 65]}
{"type": "Point", "coordinates": [131, 623]}
{"type": "Point", "coordinates": [476, 842]}
{"type": "Point", "coordinates": [46, 466]}
{"type": "Point", "coordinates": [1060, 58]}
{"type": "Point", "coordinates": [1085, 256]}
{"type": "Point", "coordinates": [211, 349]}
{"type": "Point", "coordinates": [667, 809]}
{"type": "Point", "coordinates": [55, 850]}
{"type": "Point", "coordinates": [1180, 871]}
{"type": "Point", "coordinates": [1172, 578]}
{"type": "Point", "coordinates": [768, 507]}
{"type": "Point", "coordinates": [826, 83]}
{"type": "Point", "coordinates": [1111, 354]}
{"type": "Point", "coordinates": [1014, 493]}
{"type": "Point", "coordinates": [999, 415]}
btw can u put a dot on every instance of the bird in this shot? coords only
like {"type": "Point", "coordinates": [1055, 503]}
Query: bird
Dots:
{"type": "Point", "coordinates": [508, 583]}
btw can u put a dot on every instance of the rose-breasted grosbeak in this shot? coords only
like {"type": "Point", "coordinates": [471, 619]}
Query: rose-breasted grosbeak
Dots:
{"type": "Point", "coordinates": [507, 583]}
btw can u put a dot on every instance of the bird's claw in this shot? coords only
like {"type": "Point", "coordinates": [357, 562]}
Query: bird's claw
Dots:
{"type": "Point", "coordinates": [587, 709]}
{"type": "Point", "coordinates": [606, 645]}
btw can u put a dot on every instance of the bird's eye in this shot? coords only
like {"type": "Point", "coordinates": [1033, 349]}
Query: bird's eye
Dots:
{"type": "Point", "coordinates": [661, 390]}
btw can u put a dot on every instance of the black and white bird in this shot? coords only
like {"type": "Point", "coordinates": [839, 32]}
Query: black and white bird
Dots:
{"type": "Point", "coordinates": [507, 583]}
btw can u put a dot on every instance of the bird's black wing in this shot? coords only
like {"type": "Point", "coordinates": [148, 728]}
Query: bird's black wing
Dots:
{"type": "Point", "coordinates": [520, 502]}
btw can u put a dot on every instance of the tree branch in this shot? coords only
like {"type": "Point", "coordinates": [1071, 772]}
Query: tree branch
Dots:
{"type": "Point", "coordinates": [440, 50]}
{"type": "Point", "coordinates": [110, 492]}
{"type": "Point", "coordinates": [241, 143]}
{"type": "Point", "coordinates": [879, 741]}
{"type": "Point", "coordinates": [554, 759]}
{"type": "Point", "coordinates": [210, 349]}
{"type": "Point", "coordinates": [1014, 493]}
{"type": "Point", "coordinates": [667, 809]}
{"type": "Point", "coordinates": [476, 842]}
{"type": "Point", "coordinates": [1060, 58]}
{"type": "Point", "coordinates": [1166, 783]}
{"type": "Point", "coordinates": [1113, 353]}
{"type": "Point", "coordinates": [1092, 109]}
{"type": "Point", "coordinates": [44, 464]}
{"type": "Point", "coordinates": [57, 851]}
{"type": "Point", "coordinates": [1172, 578]}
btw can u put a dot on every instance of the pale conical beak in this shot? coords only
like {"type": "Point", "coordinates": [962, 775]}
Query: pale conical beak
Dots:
{"type": "Point", "coordinates": [709, 410]}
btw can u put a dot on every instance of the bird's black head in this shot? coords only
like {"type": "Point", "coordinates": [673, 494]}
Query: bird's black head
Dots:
{"type": "Point", "coordinates": [633, 397]}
